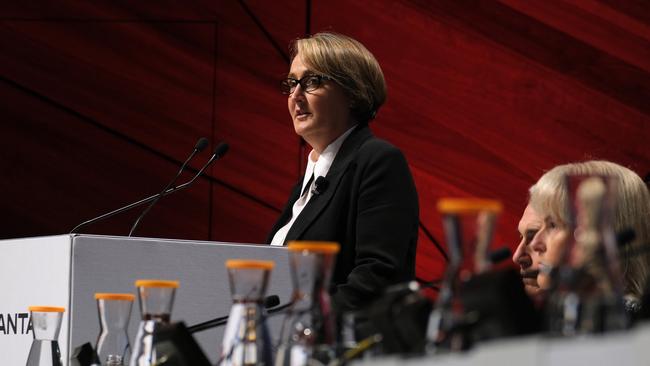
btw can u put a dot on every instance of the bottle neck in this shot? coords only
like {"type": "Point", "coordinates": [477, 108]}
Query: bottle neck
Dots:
{"type": "Point", "coordinates": [46, 326]}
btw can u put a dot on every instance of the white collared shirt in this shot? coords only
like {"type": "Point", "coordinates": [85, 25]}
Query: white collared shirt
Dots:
{"type": "Point", "coordinates": [317, 168]}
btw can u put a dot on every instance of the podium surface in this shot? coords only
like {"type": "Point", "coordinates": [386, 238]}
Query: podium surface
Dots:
{"type": "Point", "coordinates": [67, 270]}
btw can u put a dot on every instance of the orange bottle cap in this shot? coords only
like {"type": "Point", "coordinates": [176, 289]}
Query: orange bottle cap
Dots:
{"type": "Point", "coordinates": [157, 283]}
{"type": "Point", "coordinates": [327, 247]}
{"type": "Point", "coordinates": [47, 309]}
{"type": "Point", "coordinates": [249, 264]}
{"type": "Point", "coordinates": [468, 205]}
{"type": "Point", "coordinates": [109, 296]}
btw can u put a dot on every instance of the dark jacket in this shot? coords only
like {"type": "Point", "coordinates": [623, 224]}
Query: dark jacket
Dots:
{"type": "Point", "coordinates": [370, 207]}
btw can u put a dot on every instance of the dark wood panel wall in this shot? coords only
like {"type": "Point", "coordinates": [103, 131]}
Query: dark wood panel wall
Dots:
{"type": "Point", "coordinates": [103, 100]}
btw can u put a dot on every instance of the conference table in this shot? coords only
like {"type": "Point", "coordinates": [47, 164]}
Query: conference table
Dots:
{"type": "Point", "coordinates": [629, 348]}
{"type": "Point", "coordinates": [66, 270]}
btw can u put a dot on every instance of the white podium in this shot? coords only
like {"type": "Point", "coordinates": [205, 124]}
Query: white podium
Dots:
{"type": "Point", "coordinates": [67, 270]}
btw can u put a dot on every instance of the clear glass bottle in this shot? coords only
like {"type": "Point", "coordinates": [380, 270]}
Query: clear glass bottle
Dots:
{"type": "Point", "coordinates": [46, 324]}
{"type": "Point", "coordinates": [246, 339]}
{"type": "Point", "coordinates": [156, 298]}
{"type": "Point", "coordinates": [114, 310]}
{"type": "Point", "coordinates": [469, 227]}
{"type": "Point", "coordinates": [586, 282]}
{"type": "Point", "coordinates": [308, 333]}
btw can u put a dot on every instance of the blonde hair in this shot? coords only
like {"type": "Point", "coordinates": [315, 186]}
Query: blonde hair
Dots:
{"type": "Point", "coordinates": [350, 65]}
{"type": "Point", "coordinates": [632, 210]}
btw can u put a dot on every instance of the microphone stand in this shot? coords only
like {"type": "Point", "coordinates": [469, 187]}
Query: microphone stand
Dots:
{"type": "Point", "coordinates": [222, 320]}
{"type": "Point", "coordinates": [145, 200]}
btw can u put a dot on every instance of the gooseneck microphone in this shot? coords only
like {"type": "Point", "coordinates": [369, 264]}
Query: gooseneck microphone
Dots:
{"type": "Point", "coordinates": [494, 256]}
{"type": "Point", "coordinates": [219, 152]}
{"type": "Point", "coordinates": [270, 304]}
{"type": "Point", "coordinates": [200, 146]}
{"type": "Point", "coordinates": [499, 255]}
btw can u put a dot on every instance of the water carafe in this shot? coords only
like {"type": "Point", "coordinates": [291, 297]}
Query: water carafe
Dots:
{"type": "Point", "coordinates": [246, 339]}
{"type": "Point", "coordinates": [308, 332]}
{"type": "Point", "coordinates": [156, 298]}
{"type": "Point", "coordinates": [114, 310]}
{"type": "Point", "coordinates": [46, 324]}
{"type": "Point", "coordinates": [469, 226]}
{"type": "Point", "coordinates": [585, 275]}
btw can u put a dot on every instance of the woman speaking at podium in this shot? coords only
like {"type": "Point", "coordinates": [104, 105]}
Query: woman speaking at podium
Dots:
{"type": "Point", "coordinates": [357, 189]}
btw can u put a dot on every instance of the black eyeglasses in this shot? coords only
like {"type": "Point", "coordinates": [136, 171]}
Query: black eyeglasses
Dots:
{"type": "Point", "coordinates": [308, 83]}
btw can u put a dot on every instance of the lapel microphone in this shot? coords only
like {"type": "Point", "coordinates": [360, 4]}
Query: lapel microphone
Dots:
{"type": "Point", "coordinates": [320, 185]}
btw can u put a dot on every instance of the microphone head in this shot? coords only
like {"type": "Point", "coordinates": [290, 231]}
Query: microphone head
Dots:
{"type": "Point", "coordinates": [499, 255]}
{"type": "Point", "coordinates": [221, 149]}
{"type": "Point", "coordinates": [320, 185]}
{"type": "Point", "coordinates": [271, 301]}
{"type": "Point", "coordinates": [321, 181]}
{"type": "Point", "coordinates": [201, 144]}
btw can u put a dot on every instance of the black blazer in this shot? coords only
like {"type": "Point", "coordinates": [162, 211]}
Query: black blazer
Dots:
{"type": "Point", "coordinates": [370, 207]}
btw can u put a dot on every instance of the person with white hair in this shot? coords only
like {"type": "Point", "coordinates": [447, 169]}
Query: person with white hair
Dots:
{"type": "Point", "coordinates": [543, 247]}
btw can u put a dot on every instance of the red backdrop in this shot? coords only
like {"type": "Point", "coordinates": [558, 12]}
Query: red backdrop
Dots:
{"type": "Point", "coordinates": [102, 100]}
